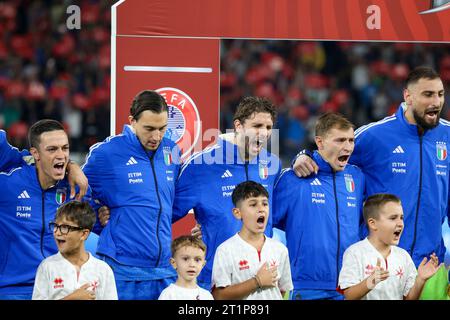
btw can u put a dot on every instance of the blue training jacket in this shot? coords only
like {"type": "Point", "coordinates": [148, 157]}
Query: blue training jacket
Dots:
{"type": "Point", "coordinates": [206, 182]}
{"type": "Point", "coordinates": [25, 212]}
{"type": "Point", "coordinates": [321, 215]}
{"type": "Point", "coordinates": [138, 186]}
{"type": "Point", "coordinates": [10, 157]}
{"type": "Point", "coordinates": [395, 159]}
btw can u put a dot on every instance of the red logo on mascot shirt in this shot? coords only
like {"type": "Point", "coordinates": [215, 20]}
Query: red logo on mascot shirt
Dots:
{"type": "Point", "coordinates": [183, 125]}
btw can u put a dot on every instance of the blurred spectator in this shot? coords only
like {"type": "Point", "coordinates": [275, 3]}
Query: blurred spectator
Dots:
{"type": "Point", "coordinates": [363, 81]}
{"type": "Point", "coordinates": [48, 71]}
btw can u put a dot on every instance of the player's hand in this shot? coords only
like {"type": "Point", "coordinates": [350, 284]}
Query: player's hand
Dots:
{"type": "Point", "coordinates": [77, 177]}
{"type": "Point", "coordinates": [378, 275]}
{"type": "Point", "coordinates": [103, 215]}
{"type": "Point", "coordinates": [304, 166]}
{"type": "Point", "coordinates": [82, 293]}
{"type": "Point", "coordinates": [427, 269]}
{"type": "Point", "coordinates": [268, 276]}
{"type": "Point", "coordinates": [197, 231]}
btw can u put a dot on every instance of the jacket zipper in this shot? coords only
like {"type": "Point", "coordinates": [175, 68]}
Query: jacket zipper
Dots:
{"type": "Point", "coordinates": [338, 229]}
{"type": "Point", "coordinates": [418, 197]}
{"type": "Point", "coordinates": [43, 223]}
{"type": "Point", "coordinates": [160, 208]}
{"type": "Point", "coordinates": [246, 170]}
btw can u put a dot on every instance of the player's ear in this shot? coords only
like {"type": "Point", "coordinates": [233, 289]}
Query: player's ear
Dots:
{"type": "Point", "coordinates": [173, 263]}
{"type": "Point", "coordinates": [237, 125]}
{"type": "Point", "coordinates": [35, 153]}
{"type": "Point", "coordinates": [319, 142]}
{"type": "Point", "coordinates": [85, 234]}
{"type": "Point", "coordinates": [237, 213]}
{"type": "Point", "coordinates": [372, 224]}
{"type": "Point", "coordinates": [407, 96]}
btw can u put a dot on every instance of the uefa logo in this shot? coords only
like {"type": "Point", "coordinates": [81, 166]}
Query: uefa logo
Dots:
{"type": "Point", "coordinates": [183, 125]}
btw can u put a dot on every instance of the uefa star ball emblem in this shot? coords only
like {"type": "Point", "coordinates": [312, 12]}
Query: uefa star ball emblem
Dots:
{"type": "Point", "coordinates": [183, 125]}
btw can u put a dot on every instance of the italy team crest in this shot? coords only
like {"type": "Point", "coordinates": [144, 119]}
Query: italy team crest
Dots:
{"type": "Point", "coordinates": [183, 125]}
{"type": "Point", "coordinates": [61, 195]}
{"type": "Point", "coordinates": [349, 183]}
{"type": "Point", "coordinates": [167, 156]}
{"type": "Point", "coordinates": [263, 171]}
{"type": "Point", "coordinates": [441, 150]}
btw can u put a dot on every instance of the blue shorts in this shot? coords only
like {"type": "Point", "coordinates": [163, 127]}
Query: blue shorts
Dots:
{"type": "Point", "coordinates": [138, 283]}
{"type": "Point", "coordinates": [142, 290]}
{"type": "Point", "coordinates": [15, 296]}
{"type": "Point", "coordinates": [307, 294]}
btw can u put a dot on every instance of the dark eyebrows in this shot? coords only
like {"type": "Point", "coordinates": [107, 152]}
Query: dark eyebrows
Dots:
{"type": "Point", "coordinates": [56, 147]}
{"type": "Point", "coordinates": [150, 128]}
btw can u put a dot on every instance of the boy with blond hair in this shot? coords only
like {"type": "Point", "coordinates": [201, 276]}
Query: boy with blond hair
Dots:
{"type": "Point", "coordinates": [188, 259]}
{"type": "Point", "coordinates": [376, 268]}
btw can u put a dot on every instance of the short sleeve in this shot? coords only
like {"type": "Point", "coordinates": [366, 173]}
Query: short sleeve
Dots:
{"type": "Point", "coordinates": [285, 282]}
{"type": "Point", "coordinates": [222, 269]}
{"type": "Point", "coordinates": [41, 288]}
{"type": "Point", "coordinates": [166, 295]}
{"type": "Point", "coordinates": [411, 275]}
{"type": "Point", "coordinates": [350, 274]}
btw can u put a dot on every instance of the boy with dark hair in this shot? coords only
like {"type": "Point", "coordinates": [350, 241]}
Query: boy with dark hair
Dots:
{"type": "Point", "coordinates": [376, 268]}
{"type": "Point", "coordinates": [251, 265]}
{"type": "Point", "coordinates": [73, 273]}
{"type": "Point", "coordinates": [188, 258]}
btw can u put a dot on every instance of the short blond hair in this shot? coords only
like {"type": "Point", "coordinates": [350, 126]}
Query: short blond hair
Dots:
{"type": "Point", "coordinates": [332, 120]}
{"type": "Point", "coordinates": [187, 241]}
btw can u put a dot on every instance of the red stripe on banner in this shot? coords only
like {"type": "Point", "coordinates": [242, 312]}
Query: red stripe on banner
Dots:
{"type": "Point", "coordinates": [305, 28]}
{"type": "Point", "coordinates": [257, 12]}
{"type": "Point", "coordinates": [434, 23]}
{"type": "Point", "coordinates": [418, 29]}
{"type": "Point", "coordinates": [281, 18]}
{"type": "Point", "coordinates": [292, 18]}
{"type": "Point", "coordinates": [387, 31]}
{"type": "Point", "coordinates": [237, 16]}
{"type": "Point", "coordinates": [317, 20]}
{"type": "Point", "coordinates": [342, 19]}
{"type": "Point", "coordinates": [305, 19]}
{"type": "Point", "coordinates": [329, 20]}
{"type": "Point", "coordinates": [269, 19]}
{"type": "Point", "coordinates": [398, 19]}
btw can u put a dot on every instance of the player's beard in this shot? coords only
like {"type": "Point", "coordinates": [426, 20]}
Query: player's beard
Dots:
{"type": "Point", "coordinates": [422, 123]}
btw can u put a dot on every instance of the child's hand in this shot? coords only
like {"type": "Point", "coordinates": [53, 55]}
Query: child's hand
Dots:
{"type": "Point", "coordinates": [378, 275]}
{"type": "Point", "coordinates": [267, 276]}
{"type": "Point", "coordinates": [427, 269]}
{"type": "Point", "coordinates": [82, 293]}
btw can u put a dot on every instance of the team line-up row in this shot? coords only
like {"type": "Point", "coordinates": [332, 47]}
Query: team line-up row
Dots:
{"type": "Point", "coordinates": [398, 165]}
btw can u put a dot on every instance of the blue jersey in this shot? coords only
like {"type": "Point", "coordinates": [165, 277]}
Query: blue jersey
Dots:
{"type": "Point", "coordinates": [396, 159]}
{"type": "Point", "coordinates": [25, 212]}
{"type": "Point", "coordinates": [138, 186]}
{"type": "Point", "coordinates": [206, 183]}
{"type": "Point", "coordinates": [10, 157]}
{"type": "Point", "coordinates": [321, 215]}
